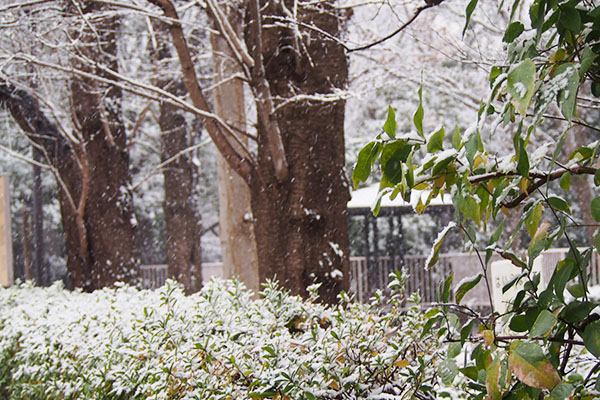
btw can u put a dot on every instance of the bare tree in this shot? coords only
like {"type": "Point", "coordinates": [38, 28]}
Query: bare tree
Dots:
{"type": "Point", "coordinates": [296, 180]}
{"type": "Point", "coordinates": [238, 240]}
{"type": "Point", "coordinates": [91, 163]}
{"type": "Point", "coordinates": [182, 218]}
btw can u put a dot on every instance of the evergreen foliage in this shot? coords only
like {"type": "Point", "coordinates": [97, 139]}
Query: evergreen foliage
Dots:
{"type": "Point", "coordinates": [546, 344]}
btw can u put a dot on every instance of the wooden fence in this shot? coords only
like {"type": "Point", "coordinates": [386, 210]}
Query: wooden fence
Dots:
{"type": "Point", "coordinates": [365, 279]}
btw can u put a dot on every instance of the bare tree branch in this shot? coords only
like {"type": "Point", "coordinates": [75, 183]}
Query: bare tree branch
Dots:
{"type": "Point", "coordinates": [229, 35]}
{"type": "Point", "coordinates": [428, 4]}
{"type": "Point", "coordinates": [264, 101]}
{"type": "Point", "coordinates": [146, 91]}
{"type": "Point", "coordinates": [239, 163]}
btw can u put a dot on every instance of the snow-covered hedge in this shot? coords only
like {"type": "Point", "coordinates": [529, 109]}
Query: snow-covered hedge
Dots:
{"type": "Point", "coordinates": [219, 344]}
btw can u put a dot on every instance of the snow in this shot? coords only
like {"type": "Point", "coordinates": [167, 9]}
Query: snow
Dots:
{"type": "Point", "coordinates": [520, 89]}
{"type": "Point", "coordinates": [364, 198]}
{"type": "Point", "coordinates": [439, 238]}
{"type": "Point", "coordinates": [215, 344]}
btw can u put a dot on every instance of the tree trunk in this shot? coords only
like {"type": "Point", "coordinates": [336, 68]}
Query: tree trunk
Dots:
{"type": "Point", "coordinates": [298, 203]}
{"type": "Point", "coordinates": [182, 217]}
{"type": "Point", "coordinates": [238, 243]}
{"type": "Point", "coordinates": [183, 221]}
{"type": "Point", "coordinates": [107, 240]}
{"type": "Point", "coordinates": [301, 224]}
{"type": "Point", "coordinates": [99, 240]}
{"type": "Point", "coordinates": [26, 240]}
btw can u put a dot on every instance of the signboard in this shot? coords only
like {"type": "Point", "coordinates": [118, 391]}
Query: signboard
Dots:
{"type": "Point", "coordinates": [503, 272]}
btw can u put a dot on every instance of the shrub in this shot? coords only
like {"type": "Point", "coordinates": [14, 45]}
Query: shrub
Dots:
{"type": "Point", "coordinates": [221, 343]}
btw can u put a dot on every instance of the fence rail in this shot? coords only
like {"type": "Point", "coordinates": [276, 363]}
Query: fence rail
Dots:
{"type": "Point", "coordinates": [366, 276]}
{"type": "Point", "coordinates": [461, 265]}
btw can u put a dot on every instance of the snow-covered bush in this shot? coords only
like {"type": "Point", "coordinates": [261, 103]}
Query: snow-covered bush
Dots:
{"type": "Point", "coordinates": [218, 344]}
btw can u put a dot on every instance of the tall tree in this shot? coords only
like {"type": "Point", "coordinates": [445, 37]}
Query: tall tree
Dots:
{"type": "Point", "coordinates": [91, 163]}
{"type": "Point", "coordinates": [296, 180]}
{"type": "Point", "coordinates": [238, 240]}
{"type": "Point", "coordinates": [182, 218]}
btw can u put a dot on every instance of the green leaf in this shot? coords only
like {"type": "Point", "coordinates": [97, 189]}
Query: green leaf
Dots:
{"type": "Point", "coordinates": [466, 330]}
{"type": "Point", "coordinates": [470, 208]}
{"type": "Point", "coordinates": [569, 18]}
{"type": "Point", "coordinates": [465, 286]}
{"type": "Point", "coordinates": [522, 322]}
{"type": "Point", "coordinates": [561, 276]}
{"type": "Point", "coordinates": [472, 146]}
{"type": "Point", "coordinates": [587, 59]}
{"type": "Point", "coordinates": [393, 156]}
{"type": "Point", "coordinates": [456, 138]}
{"type": "Point", "coordinates": [470, 8]}
{"type": "Point", "coordinates": [543, 324]}
{"type": "Point", "coordinates": [309, 396]}
{"type": "Point", "coordinates": [447, 370]}
{"type": "Point", "coordinates": [454, 349]}
{"type": "Point", "coordinates": [492, 380]}
{"type": "Point", "coordinates": [529, 364]}
{"type": "Point", "coordinates": [577, 311]}
{"type": "Point", "coordinates": [597, 178]}
{"type": "Point", "coordinates": [559, 204]}
{"type": "Point", "coordinates": [470, 372]}
{"type": "Point", "coordinates": [446, 285]}
{"type": "Point", "coordinates": [591, 338]}
{"type": "Point", "coordinates": [577, 290]}
{"type": "Point", "coordinates": [565, 181]}
{"type": "Point", "coordinates": [418, 117]}
{"type": "Point", "coordinates": [595, 209]}
{"type": "Point", "coordinates": [582, 154]}
{"type": "Point", "coordinates": [436, 141]}
{"type": "Point", "coordinates": [366, 159]}
{"type": "Point", "coordinates": [521, 81]}
{"type": "Point", "coordinates": [567, 97]}
{"type": "Point", "coordinates": [596, 89]}
{"type": "Point", "coordinates": [390, 123]}
{"type": "Point", "coordinates": [523, 160]}
{"type": "Point", "coordinates": [493, 240]}
{"type": "Point", "coordinates": [562, 392]}
{"type": "Point", "coordinates": [532, 222]}
{"type": "Point", "coordinates": [513, 31]}
{"type": "Point", "coordinates": [435, 250]}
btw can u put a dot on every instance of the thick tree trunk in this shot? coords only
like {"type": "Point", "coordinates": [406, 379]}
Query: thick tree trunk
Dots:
{"type": "Point", "coordinates": [238, 243]}
{"type": "Point", "coordinates": [183, 221]}
{"type": "Point", "coordinates": [182, 217]}
{"type": "Point", "coordinates": [99, 240]}
{"type": "Point", "coordinates": [298, 203]}
{"type": "Point", "coordinates": [107, 241]}
{"type": "Point", "coordinates": [301, 223]}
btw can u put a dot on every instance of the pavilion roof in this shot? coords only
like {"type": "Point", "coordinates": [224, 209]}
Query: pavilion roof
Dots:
{"type": "Point", "coordinates": [365, 199]}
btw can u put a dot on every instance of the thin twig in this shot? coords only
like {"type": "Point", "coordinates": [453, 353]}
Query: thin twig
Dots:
{"type": "Point", "coordinates": [400, 29]}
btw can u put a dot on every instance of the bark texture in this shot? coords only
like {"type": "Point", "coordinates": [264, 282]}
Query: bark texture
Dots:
{"type": "Point", "coordinates": [301, 223]}
{"type": "Point", "coordinates": [182, 217]}
{"type": "Point", "coordinates": [100, 254]}
{"type": "Point", "coordinates": [298, 201]}
{"type": "Point", "coordinates": [238, 242]}
{"type": "Point", "coordinates": [107, 242]}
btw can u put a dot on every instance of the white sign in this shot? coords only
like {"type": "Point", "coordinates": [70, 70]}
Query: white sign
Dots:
{"type": "Point", "coordinates": [503, 272]}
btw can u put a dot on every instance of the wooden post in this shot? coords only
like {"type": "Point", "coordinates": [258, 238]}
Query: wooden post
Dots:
{"type": "Point", "coordinates": [6, 255]}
